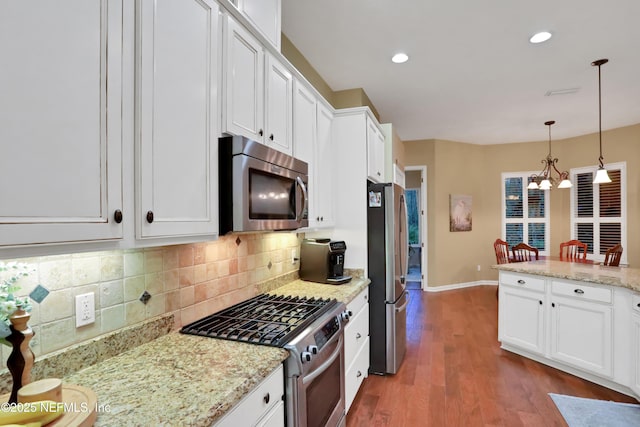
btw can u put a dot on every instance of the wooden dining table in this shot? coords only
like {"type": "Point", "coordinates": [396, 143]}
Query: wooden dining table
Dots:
{"type": "Point", "coordinates": [557, 258]}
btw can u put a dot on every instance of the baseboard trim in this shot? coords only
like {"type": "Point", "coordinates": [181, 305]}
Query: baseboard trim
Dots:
{"type": "Point", "coordinates": [461, 286]}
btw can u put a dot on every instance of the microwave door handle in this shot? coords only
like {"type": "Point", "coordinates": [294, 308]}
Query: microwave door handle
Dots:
{"type": "Point", "coordinates": [305, 196]}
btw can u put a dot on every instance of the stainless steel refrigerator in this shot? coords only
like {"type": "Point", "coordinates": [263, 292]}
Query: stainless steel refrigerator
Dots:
{"type": "Point", "coordinates": [387, 264]}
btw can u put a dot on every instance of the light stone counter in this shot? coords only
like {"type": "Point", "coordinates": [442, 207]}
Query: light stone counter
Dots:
{"type": "Point", "coordinates": [615, 276]}
{"type": "Point", "coordinates": [176, 380]}
{"type": "Point", "coordinates": [186, 380]}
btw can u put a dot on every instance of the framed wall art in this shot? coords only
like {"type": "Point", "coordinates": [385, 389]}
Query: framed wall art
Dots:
{"type": "Point", "coordinates": [460, 218]}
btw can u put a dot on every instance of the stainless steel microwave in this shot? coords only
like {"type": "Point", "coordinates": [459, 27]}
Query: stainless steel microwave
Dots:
{"type": "Point", "coordinates": [260, 189]}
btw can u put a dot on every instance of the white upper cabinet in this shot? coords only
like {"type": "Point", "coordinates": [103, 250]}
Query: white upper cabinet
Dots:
{"type": "Point", "coordinates": [244, 81]}
{"type": "Point", "coordinates": [176, 131]}
{"type": "Point", "coordinates": [259, 91]}
{"type": "Point", "coordinates": [324, 173]}
{"type": "Point", "coordinates": [265, 15]}
{"type": "Point", "coordinates": [61, 121]}
{"type": "Point", "coordinates": [375, 151]}
{"type": "Point", "coordinates": [279, 110]}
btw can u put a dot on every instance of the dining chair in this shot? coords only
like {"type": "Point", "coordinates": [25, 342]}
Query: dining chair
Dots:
{"type": "Point", "coordinates": [523, 252]}
{"type": "Point", "coordinates": [502, 251]}
{"type": "Point", "coordinates": [613, 255]}
{"type": "Point", "coordinates": [573, 249]}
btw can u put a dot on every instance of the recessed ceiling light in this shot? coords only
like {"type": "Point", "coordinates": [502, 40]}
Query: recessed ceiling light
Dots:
{"type": "Point", "coordinates": [399, 58]}
{"type": "Point", "coordinates": [540, 37]}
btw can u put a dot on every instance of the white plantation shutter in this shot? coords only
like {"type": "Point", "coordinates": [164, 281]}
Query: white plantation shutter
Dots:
{"type": "Point", "coordinates": [525, 213]}
{"type": "Point", "coordinates": [598, 211]}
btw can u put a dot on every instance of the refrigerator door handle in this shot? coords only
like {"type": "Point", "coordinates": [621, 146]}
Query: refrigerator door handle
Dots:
{"type": "Point", "coordinates": [403, 306]}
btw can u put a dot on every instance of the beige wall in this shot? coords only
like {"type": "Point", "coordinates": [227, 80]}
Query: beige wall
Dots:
{"type": "Point", "coordinates": [457, 168]}
{"type": "Point", "coordinates": [353, 98]}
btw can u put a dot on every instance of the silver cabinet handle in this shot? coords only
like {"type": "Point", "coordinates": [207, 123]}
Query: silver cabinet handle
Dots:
{"type": "Point", "coordinates": [578, 291]}
{"type": "Point", "coordinates": [358, 336]}
{"type": "Point", "coordinates": [521, 282]}
{"type": "Point", "coordinates": [359, 374]}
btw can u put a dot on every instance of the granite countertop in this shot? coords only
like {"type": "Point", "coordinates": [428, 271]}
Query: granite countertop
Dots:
{"type": "Point", "coordinates": [600, 274]}
{"type": "Point", "coordinates": [185, 380]}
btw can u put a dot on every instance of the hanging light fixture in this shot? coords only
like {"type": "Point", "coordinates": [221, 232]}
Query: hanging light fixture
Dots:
{"type": "Point", "coordinates": [544, 180]}
{"type": "Point", "coordinates": [602, 177]}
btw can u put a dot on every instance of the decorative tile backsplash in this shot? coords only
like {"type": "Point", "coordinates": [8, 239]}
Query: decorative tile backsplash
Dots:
{"type": "Point", "coordinates": [189, 281]}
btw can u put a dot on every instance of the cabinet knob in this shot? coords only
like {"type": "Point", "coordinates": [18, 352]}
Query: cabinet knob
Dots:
{"type": "Point", "coordinates": [553, 304]}
{"type": "Point", "coordinates": [117, 216]}
{"type": "Point", "coordinates": [271, 137]}
{"type": "Point", "coordinates": [639, 305]}
{"type": "Point", "coordinates": [267, 398]}
{"type": "Point", "coordinates": [150, 217]}
{"type": "Point", "coordinates": [540, 302]}
{"type": "Point", "coordinates": [318, 218]}
{"type": "Point", "coordinates": [260, 132]}
{"type": "Point", "coordinates": [378, 173]}
{"type": "Point", "coordinates": [321, 218]}
{"type": "Point", "coordinates": [521, 282]}
{"type": "Point", "coordinates": [578, 291]}
{"type": "Point", "coordinates": [359, 374]}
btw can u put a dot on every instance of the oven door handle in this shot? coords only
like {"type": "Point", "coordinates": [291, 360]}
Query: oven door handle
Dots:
{"type": "Point", "coordinates": [306, 198]}
{"type": "Point", "coordinates": [313, 375]}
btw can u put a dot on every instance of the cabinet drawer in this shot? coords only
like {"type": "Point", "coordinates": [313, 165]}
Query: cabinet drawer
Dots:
{"type": "Point", "coordinates": [355, 334]}
{"type": "Point", "coordinates": [358, 302]}
{"type": "Point", "coordinates": [635, 300]}
{"type": "Point", "coordinates": [356, 374]}
{"type": "Point", "coordinates": [522, 281]}
{"type": "Point", "coordinates": [582, 291]}
{"type": "Point", "coordinates": [258, 402]}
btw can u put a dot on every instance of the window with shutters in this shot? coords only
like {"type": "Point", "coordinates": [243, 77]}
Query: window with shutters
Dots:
{"type": "Point", "coordinates": [599, 211]}
{"type": "Point", "coordinates": [525, 213]}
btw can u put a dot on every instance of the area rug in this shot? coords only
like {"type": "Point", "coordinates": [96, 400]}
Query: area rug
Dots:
{"type": "Point", "coordinates": [581, 412]}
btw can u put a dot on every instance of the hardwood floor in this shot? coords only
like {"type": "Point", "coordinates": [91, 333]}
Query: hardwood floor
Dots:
{"type": "Point", "coordinates": [455, 374]}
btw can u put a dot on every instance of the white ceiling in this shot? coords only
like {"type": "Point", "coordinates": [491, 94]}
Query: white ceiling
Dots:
{"type": "Point", "coordinates": [472, 75]}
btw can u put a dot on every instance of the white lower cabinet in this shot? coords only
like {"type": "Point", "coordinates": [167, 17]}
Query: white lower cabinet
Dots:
{"type": "Point", "coordinates": [581, 330]}
{"type": "Point", "coordinates": [356, 346]}
{"type": "Point", "coordinates": [521, 314]}
{"type": "Point", "coordinates": [635, 342]}
{"type": "Point", "coordinates": [573, 326]}
{"type": "Point", "coordinates": [263, 406]}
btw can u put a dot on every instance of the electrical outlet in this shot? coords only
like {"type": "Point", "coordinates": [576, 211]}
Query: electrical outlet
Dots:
{"type": "Point", "coordinates": [293, 256]}
{"type": "Point", "coordinates": [85, 309]}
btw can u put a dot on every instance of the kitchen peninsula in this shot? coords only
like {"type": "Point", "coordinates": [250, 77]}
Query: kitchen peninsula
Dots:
{"type": "Point", "coordinates": [579, 318]}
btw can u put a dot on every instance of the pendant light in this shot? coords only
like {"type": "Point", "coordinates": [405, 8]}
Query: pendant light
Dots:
{"type": "Point", "coordinates": [544, 180]}
{"type": "Point", "coordinates": [602, 177]}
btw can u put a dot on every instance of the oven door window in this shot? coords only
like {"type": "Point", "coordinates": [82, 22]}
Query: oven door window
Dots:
{"type": "Point", "coordinates": [271, 196]}
{"type": "Point", "coordinates": [323, 395]}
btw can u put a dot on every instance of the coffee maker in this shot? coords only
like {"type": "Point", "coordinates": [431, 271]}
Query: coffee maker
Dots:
{"type": "Point", "coordinates": [322, 261]}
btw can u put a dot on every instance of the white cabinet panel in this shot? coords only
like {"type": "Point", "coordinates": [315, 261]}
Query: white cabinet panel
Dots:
{"type": "Point", "coordinates": [356, 345]}
{"type": "Point", "coordinates": [325, 164]}
{"type": "Point", "coordinates": [177, 134]}
{"type": "Point", "coordinates": [265, 15]}
{"type": "Point", "coordinates": [581, 334]}
{"type": "Point", "coordinates": [356, 374]}
{"type": "Point", "coordinates": [279, 110]}
{"type": "Point", "coordinates": [256, 407]}
{"type": "Point", "coordinates": [60, 111]}
{"type": "Point", "coordinates": [635, 342]}
{"type": "Point", "coordinates": [521, 318]}
{"type": "Point", "coordinates": [244, 80]}
{"type": "Point", "coordinates": [375, 152]}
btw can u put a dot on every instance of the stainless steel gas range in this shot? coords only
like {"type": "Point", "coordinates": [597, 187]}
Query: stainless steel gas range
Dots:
{"type": "Point", "coordinates": [311, 329]}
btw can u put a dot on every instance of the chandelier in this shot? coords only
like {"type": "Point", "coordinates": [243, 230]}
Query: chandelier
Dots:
{"type": "Point", "coordinates": [544, 180]}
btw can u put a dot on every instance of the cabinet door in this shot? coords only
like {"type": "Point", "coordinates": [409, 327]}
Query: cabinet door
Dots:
{"type": "Point", "coordinates": [325, 168]}
{"type": "Point", "coordinates": [635, 356]}
{"type": "Point", "coordinates": [582, 334]}
{"type": "Point", "coordinates": [60, 121]}
{"type": "Point", "coordinates": [177, 129]}
{"type": "Point", "coordinates": [265, 15]}
{"type": "Point", "coordinates": [244, 80]}
{"type": "Point", "coordinates": [521, 319]}
{"type": "Point", "coordinates": [274, 418]}
{"type": "Point", "coordinates": [279, 94]}
{"type": "Point", "coordinates": [375, 152]}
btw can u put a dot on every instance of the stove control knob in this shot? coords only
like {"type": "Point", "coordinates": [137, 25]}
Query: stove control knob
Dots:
{"type": "Point", "coordinates": [306, 357]}
{"type": "Point", "coordinates": [313, 349]}
{"type": "Point", "coordinates": [345, 316]}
